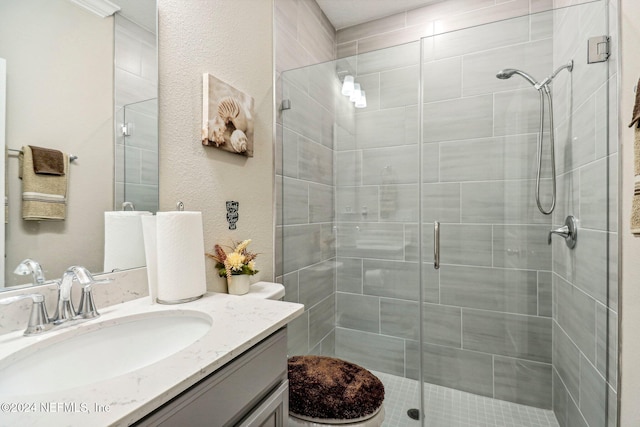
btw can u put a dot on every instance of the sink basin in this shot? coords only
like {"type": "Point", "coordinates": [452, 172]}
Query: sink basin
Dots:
{"type": "Point", "coordinates": [100, 351]}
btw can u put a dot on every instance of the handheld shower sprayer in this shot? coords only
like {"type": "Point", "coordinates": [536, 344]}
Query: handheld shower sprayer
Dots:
{"type": "Point", "coordinates": [543, 88]}
{"type": "Point", "coordinates": [507, 73]}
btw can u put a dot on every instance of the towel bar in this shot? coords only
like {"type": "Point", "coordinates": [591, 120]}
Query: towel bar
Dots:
{"type": "Point", "coordinates": [13, 150]}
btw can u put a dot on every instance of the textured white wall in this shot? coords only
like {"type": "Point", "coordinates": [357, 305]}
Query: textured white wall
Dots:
{"type": "Point", "coordinates": [630, 292]}
{"type": "Point", "coordinates": [231, 39]}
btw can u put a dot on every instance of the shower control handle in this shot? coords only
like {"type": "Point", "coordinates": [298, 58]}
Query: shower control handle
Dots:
{"type": "Point", "coordinates": [562, 231]}
{"type": "Point", "coordinates": [569, 231]}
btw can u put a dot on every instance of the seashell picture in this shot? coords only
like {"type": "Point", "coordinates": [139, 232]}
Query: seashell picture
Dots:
{"type": "Point", "coordinates": [227, 117]}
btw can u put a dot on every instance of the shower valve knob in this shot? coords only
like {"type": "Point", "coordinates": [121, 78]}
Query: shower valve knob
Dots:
{"type": "Point", "coordinates": [569, 231]}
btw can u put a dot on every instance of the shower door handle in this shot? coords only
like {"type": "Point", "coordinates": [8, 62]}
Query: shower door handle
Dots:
{"type": "Point", "coordinates": [436, 245]}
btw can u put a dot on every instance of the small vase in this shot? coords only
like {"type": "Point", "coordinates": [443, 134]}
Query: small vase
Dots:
{"type": "Point", "coordinates": [238, 284]}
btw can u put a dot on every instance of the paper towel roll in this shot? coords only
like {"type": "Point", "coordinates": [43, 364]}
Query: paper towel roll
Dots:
{"type": "Point", "coordinates": [180, 249]}
{"type": "Point", "coordinates": [123, 241]}
{"type": "Point", "coordinates": [149, 231]}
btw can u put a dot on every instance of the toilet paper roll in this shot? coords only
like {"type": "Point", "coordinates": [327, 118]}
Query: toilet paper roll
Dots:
{"type": "Point", "coordinates": [180, 249]}
{"type": "Point", "coordinates": [123, 241]}
{"type": "Point", "coordinates": [149, 231]}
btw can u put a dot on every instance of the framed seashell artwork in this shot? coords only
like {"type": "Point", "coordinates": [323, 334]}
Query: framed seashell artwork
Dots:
{"type": "Point", "coordinates": [227, 117]}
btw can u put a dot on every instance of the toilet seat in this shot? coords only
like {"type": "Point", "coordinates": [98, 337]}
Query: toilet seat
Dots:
{"type": "Point", "coordinates": [326, 391]}
{"type": "Point", "coordinates": [372, 420]}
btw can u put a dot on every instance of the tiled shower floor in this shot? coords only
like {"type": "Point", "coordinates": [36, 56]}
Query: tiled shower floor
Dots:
{"type": "Point", "coordinates": [446, 407]}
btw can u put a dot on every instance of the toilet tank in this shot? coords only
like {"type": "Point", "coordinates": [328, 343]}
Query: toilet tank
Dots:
{"type": "Point", "coordinates": [266, 290]}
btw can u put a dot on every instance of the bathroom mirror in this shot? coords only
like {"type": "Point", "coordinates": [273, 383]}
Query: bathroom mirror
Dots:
{"type": "Point", "coordinates": [86, 85]}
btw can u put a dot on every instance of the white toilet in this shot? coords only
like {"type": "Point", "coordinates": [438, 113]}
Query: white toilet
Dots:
{"type": "Point", "coordinates": [373, 420]}
{"type": "Point", "coordinates": [276, 291]}
{"type": "Point", "coordinates": [266, 290]}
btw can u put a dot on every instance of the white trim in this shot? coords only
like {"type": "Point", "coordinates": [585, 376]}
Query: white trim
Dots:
{"type": "Point", "coordinates": [102, 8]}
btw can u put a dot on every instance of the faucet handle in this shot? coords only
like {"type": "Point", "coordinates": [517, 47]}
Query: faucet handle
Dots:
{"type": "Point", "coordinates": [39, 319]}
{"type": "Point", "coordinates": [87, 308]}
{"type": "Point", "coordinates": [569, 231]}
{"type": "Point", "coordinates": [562, 231]}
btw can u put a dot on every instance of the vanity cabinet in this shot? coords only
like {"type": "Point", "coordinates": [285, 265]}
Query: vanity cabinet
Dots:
{"type": "Point", "coordinates": [250, 391]}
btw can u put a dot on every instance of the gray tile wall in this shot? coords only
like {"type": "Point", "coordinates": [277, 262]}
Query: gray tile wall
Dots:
{"type": "Point", "coordinates": [136, 83]}
{"type": "Point", "coordinates": [305, 193]}
{"type": "Point", "coordinates": [585, 279]}
{"type": "Point", "coordinates": [443, 17]}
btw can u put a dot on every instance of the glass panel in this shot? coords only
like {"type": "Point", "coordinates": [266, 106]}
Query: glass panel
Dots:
{"type": "Point", "coordinates": [140, 156]}
{"type": "Point", "coordinates": [348, 210]}
{"type": "Point", "coordinates": [508, 317]}
{"type": "Point", "coordinates": [508, 320]}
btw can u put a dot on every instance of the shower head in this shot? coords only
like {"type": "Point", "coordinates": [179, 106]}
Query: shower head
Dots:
{"type": "Point", "coordinates": [508, 72]}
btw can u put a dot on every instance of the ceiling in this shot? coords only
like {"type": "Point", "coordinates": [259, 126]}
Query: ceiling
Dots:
{"type": "Point", "coordinates": [345, 13]}
{"type": "Point", "coordinates": [142, 12]}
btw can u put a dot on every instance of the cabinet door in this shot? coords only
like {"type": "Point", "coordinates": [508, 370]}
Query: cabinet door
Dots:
{"type": "Point", "coordinates": [272, 412]}
{"type": "Point", "coordinates": [228, 395]}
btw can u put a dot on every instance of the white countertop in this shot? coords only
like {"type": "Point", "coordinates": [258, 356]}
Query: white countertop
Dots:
{"type": "Point", "coordinates": [239, 323]}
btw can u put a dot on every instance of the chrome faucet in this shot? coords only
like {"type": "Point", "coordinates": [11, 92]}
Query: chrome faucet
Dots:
{"type": "Point", "coordinates": [126, 205]}
{"type": "Point", "coordinates": [65, 310]}
{"type": "Point", "coordinates": [39, 320]}
{"type": "Point", "coordinates": [29, 266]}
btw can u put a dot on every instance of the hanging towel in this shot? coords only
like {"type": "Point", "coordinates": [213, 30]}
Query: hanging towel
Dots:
{"type": "Point", "coordinates": [47, 161]}
{"type": "Point", "coordinates": [636, 107]}
{"type": "Point", "coordinates": [635, 205]}
{"type": "Point", "coordinates": [44, 196]}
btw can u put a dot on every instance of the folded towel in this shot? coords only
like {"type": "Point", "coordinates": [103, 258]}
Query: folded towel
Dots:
{"type": "Point", "coordinates": [44, 197]}
{"type": "Point", "coordinates": [635, 118]}
{"type": "Point", "coordinates": [47, 161]}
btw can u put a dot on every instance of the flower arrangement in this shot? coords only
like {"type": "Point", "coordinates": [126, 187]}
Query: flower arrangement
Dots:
{"type": "Point", "coordinates": [237, 261]}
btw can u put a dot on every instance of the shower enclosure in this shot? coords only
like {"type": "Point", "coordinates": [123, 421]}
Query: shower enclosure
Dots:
{"type": "Point", "coordinates": [137, 155]}
{"type": "Point", "coordinates": [510, 330]}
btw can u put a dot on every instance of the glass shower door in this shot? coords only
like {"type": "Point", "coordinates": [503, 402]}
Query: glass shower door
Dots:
{"type": "Point", "coordinates": [510, 316]}
{"type": "Point", "coordinates": [480, 134]}
{"type": "Point", "coordinates": [137, 156]}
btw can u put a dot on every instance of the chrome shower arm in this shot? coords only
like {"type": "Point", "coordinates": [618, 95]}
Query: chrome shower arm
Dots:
{"type": "Point", "coordinates": [568, 66]}
{"type": "Point", "coordinates": [545, 83]}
